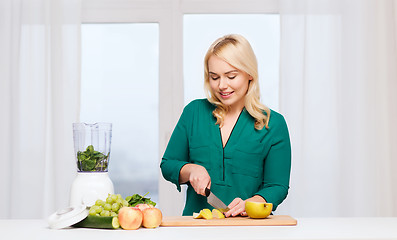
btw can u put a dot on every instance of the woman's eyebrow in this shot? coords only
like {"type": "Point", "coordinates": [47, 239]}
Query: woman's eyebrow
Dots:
{"type": "Point", "coordinates": [232, 71]}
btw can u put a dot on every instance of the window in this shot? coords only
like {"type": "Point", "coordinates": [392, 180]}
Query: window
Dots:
{"type": "Point", "coordinates": [120, 85]}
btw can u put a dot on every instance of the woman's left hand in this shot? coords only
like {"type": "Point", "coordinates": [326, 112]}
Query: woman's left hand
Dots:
{"type": "Point", "coordinates": [237, 207]}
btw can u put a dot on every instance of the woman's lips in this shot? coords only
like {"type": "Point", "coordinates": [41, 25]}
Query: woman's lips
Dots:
{"type": "Point", "coordinates": [225, 94]}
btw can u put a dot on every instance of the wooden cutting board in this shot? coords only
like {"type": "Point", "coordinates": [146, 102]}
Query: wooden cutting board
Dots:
{"type": "Point", "coordinates": [273, 220]}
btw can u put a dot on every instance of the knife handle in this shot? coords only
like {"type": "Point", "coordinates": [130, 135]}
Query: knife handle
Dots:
{"type": "Point", "coordinates": [207, 192]}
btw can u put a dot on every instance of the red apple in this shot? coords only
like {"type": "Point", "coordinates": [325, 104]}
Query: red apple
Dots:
{"type": "Point", "coordinates": [142, 206]}
{"type": "Point", "coordinates": [130, 218]}
{"type": "Point", "coordinates": [152, 217]}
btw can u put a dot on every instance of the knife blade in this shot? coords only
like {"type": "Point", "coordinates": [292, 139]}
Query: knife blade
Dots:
{"type": "Point", "coordinates": [215, 201]}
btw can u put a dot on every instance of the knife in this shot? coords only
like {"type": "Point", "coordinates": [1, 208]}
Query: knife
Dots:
{"type": "Point", "coordinates": [215, 201]}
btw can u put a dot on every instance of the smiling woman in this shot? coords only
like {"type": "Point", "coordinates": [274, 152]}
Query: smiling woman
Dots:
{"type": "Point", "coordinates": [231, 118]}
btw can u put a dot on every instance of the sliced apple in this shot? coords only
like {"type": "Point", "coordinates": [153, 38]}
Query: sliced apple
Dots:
{"type": "Point", "coordinates": [258, 209]}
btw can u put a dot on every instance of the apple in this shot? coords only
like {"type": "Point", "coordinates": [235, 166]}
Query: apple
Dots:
{"type": "Point", "coordinates": [258, 209]}
{"type": "Point", "coordinates": [142, 206]}
{"type": "Point", "coordinates": [130, 218]}
{"type": "Point", "coordinates": [152, 217]}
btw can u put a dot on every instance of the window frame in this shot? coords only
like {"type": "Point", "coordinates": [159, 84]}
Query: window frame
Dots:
{"type": "Point", "coordinates": [169, 15]}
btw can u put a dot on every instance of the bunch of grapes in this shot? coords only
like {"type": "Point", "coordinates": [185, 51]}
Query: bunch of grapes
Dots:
{"type": "Point", "coordinates": [109, 208]}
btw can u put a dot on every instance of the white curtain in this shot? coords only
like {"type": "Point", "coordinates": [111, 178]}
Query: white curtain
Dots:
{"type": "Point", "coordinates": [39, 99]}
{"type": "Point", "coordinates": [338, 83]}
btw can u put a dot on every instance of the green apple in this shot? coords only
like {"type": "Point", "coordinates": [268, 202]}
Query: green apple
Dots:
{"type": "Point", "coordinates": [258, 209]}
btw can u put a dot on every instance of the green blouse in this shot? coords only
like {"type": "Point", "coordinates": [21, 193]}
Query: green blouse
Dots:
{"type": "Point", "coordinates": [253, 162]}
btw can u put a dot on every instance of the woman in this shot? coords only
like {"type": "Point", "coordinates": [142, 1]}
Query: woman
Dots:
{"type": "Point", "coordinates": [229, 142]}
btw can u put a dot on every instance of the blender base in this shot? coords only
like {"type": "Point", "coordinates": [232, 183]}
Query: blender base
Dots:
{"type": "Point", "coordinates": [88, 187]}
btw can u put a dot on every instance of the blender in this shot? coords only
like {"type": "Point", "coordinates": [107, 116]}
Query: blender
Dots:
{"type": "Point", "coordinates": [92, 152]}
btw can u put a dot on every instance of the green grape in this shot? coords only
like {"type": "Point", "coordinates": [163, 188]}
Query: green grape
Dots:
{"type": "Point", "coordinates": [113, 214]}
{"type": "Point", "coordinates": [92, 211]}
{"type": "Point", "coordinates": [115, 207]}
{"type": "Point", "coordinates": [107, 207]}
{"type": "Point", "coordinates": [98, 209]}
{"type": "Point", "coordinates": [124, 203]}
{"type": "Point", "coordinates": [109, 200]}
{"type": "Point", "coordinates": [114, 197]}
{"type": "Point", "coordinates": [105, 213]}
{"type": "Point", "coordinates": [119, 201]}
{"type": "Point", "coordinates": [99, 202]}
{"type": "Point", "coordinates": [119, 196]}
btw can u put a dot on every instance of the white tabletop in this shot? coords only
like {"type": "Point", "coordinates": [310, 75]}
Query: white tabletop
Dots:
{"type": "Point", "coordinates": [307, 228]}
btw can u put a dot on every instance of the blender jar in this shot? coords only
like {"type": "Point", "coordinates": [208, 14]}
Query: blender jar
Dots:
{"type": "Point", "coordinates": [92, 152]}
{"type": "Point", "coordinates": [92, 146]}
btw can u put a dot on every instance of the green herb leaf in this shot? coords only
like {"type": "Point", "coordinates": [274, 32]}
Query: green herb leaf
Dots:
{"type": "Point", "coordinates": [138, 199]}
{"type": "Point", "coordinates": [91, 160]}
{"type": "Point", "coordinates": [88, 164]}
{"type": "Point", "coordinates": [90, 148]}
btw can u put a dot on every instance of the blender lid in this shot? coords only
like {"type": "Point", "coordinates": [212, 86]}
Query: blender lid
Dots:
{"type": "Point", "coordinates": [67, 217]}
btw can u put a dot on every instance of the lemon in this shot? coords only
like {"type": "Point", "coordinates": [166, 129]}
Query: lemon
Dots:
{"type": "Point", "coordinates": [217, 214]}
{"type": "Point", "coordinates": [258, 209]}
{"type": "Point", "coordinates": [205, 213]}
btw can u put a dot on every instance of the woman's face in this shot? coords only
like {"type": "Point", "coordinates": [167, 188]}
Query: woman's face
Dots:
{"type": "Point", "coordinates": [229, 84]}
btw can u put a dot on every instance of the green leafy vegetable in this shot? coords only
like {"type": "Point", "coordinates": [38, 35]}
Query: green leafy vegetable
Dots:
{"type": "Point", "coordinates": [137, 199]}
{"type": "Point", "coordinates": [91, 160]}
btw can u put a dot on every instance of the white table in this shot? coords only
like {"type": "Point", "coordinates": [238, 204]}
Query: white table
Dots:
{"type": "Point", "coordinates": [307, 228]}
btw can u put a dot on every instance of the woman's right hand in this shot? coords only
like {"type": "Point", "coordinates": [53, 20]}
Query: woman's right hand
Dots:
{"type": "Point", "coordinates": [198, 177]}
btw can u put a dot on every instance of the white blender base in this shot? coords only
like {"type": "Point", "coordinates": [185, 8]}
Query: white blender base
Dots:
{"type": "Point", "coordinates": [88, 187]}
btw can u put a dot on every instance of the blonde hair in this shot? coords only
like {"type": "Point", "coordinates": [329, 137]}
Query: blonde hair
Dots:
{"type": "Point", "coordinates": [237, 51]}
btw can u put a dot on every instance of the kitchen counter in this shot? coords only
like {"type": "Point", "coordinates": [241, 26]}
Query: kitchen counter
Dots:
{"type": "Point", "coordinates": [307, 228]}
